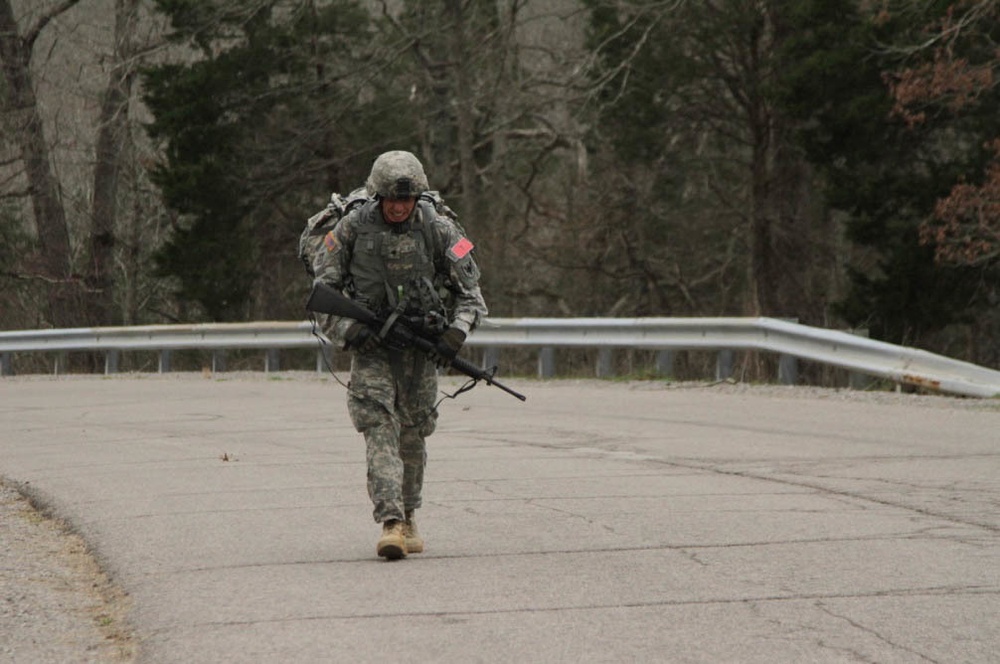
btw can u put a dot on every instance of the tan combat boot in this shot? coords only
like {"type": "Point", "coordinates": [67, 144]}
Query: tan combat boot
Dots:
{"type": "Point", "coordinates": [414, 542]}
{"type": "Point", "coordinates": [392, 544]}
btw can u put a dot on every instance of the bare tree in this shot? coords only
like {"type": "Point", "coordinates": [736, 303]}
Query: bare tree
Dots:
{"type": "Point", "coordinates": [78, 291]}
{"type": "Point", "coordinates": [493, 95]}
{"type": "Point", "coordinates": [54, 260]}
{"type": "Point", "coordinates": [723, 206]}
{"type": "Point", "coordinates": [111, 138]}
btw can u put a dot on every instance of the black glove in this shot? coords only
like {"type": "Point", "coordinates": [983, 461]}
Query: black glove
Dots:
{"type": "Point", "coordinates": [447, 347]}
{"type": "Point", "coordinates": [361, 338]}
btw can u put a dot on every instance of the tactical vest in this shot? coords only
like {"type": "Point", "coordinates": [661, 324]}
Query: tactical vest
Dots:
{"type": "Point", "coordinates": [386, 263]}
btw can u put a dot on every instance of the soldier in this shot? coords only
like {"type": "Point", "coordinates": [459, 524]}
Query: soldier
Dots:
{"type": "Point", "coordinates": [396, 254]}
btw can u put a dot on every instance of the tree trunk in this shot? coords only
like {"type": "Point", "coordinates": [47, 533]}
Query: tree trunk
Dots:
{"type": "Point", "coordinates": [463, 101]}
{"type": "Point", "coordinates": [111, 137]}
{"type": "Point", "coordinates": [760, 228]}
{"type": "Point", "coordinates": [50, 216]}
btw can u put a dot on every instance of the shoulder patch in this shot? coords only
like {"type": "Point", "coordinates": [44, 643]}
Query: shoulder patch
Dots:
{"type": "Point", "coordinates": [331, 242]}
{"type": "Point", "coordinates": [460, 249]}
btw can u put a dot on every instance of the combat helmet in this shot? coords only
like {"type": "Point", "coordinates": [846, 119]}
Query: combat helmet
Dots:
{"type": "Point", "coordinates": [397, 174]}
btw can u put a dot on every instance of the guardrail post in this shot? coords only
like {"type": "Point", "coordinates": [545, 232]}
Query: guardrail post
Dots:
{"type": "Point", "coordinates": [788, 365]}
{"type": "Point", "coordinates": [724, 364]}
{"type": "Point", "coordinates": [272, 360]}
{"type": "Point", "coordinates": [111, 361]}
{"type": "Point", "coordinates": [491, 358]}
{"type": "Point", "coordinates": [665, 363]}
{"type": "Point", "coordinates": [788, 370]}
{"type": "Point", "coordinates": [324, 358]}
{"type": "Point", "coordinates": [547, 362]}
{"type": "Point", "coordinates": [605, 366]}
{"type": "Point", "coordinates": [218, 361]}
{"type": "Point", "coordinates": [855, 380]}
{"type": "Point", "coordinates": [165, 356]}
{"type": "Point", "coordinates": [6, 364]}
{"type": "Point", "coordinates": [859, 381]}
{"type": "Point", "coordinates": [60, 363]}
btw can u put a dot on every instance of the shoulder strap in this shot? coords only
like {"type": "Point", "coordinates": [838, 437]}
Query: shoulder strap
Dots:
{"type": "Point", "coordinates": [428, 213]}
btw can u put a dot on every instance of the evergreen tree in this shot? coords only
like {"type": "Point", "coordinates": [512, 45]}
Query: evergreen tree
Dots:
{"type": "Point", "coordinates": [257, 130]}
{"type": "Point", "coordinates": [688, 108]}
{"type": "Point", "coordinates": [883, 170]}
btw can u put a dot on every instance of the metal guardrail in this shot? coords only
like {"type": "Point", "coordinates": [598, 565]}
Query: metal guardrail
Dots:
{"type": "Point", "coordinates": [791, 341]}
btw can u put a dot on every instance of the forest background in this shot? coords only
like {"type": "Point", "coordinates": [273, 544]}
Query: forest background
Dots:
{"type": "Point", "coordinates": [829, 161]}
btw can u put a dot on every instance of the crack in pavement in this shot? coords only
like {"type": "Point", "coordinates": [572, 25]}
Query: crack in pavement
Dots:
{"type": "Point", "coordinates": [574, 515]}
{"type": "Point", "coordinates": [800, 483]}
{"type": "Point", "coordinates": [826, 490]}
{"type": "Point", "coordinates": [814, 598]}
{"type": "Point", "coordinates": [684, 549]}
{"type": "Point", "coordinates": [853, 623]}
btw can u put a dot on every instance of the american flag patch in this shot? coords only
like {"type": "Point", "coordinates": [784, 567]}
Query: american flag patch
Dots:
{"type": "Point", "coordinates": [331, 241]}
{"type": "Point", "coordinates": [460, 249]}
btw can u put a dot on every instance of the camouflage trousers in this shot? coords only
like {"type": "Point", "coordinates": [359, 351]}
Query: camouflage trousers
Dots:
{"type": "Point", "coordinates": [391, 402]}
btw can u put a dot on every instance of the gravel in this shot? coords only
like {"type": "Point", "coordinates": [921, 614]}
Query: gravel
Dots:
{"type": "Point", "coordinates": [55, 603]}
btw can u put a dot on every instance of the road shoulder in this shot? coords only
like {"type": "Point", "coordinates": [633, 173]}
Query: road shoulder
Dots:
{"type": "Point", "coordinates": [57, 604]}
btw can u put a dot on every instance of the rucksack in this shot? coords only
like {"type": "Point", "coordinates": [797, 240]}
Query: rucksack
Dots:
{"type": "Point", "coordinates": [321, 223]}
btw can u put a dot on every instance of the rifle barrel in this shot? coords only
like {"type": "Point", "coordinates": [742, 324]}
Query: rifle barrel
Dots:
{"type": "Point", "coordinates": [472, 371]}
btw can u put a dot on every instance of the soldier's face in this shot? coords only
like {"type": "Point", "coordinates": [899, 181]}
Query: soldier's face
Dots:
{"type": "Point", "coordinates": [396, 211]}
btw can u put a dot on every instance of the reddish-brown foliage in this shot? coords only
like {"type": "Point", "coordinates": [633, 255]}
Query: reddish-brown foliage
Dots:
{"type": "Point", "coordinates": [946, 80]}
{"type": "Point", "coordinates": [965, 226]}
{"type": "Point", "coordinates": [965, 229]}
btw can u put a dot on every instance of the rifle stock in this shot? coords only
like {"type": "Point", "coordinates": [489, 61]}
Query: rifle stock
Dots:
{"type": "Point", "coordinates": [326, 300]}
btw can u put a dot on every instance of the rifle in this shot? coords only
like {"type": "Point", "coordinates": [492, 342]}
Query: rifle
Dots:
{"type": "Point", "coordinates": [400, 331]}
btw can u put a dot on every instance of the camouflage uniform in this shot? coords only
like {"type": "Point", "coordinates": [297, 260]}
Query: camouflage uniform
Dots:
{"type": "Point", "coordinates": [392, 391]}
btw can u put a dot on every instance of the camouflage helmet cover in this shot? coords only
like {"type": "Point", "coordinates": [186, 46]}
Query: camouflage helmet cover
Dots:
{"type": "Point", "coordinates": [397, 174]}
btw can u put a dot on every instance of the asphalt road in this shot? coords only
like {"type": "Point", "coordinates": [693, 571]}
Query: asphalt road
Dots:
{"type": "Point", "coordinates": [597, 522]}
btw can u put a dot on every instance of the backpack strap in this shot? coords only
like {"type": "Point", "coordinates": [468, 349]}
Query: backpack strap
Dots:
{"type": "Point", "coordinates": [428, 212]}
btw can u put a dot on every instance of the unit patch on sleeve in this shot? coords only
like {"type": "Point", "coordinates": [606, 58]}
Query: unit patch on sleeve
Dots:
{"type": "Point", "coordinates": [460, 249]}
{"type": "Point", "coordinates": [331, 242]}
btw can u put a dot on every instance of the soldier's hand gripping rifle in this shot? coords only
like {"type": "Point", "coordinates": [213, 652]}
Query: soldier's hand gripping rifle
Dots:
{"type": "Point", "coordinates": [326, 300]}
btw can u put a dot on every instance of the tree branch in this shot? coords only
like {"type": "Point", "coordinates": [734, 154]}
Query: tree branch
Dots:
{"type": "Point", "coordinates": [32, 34]}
